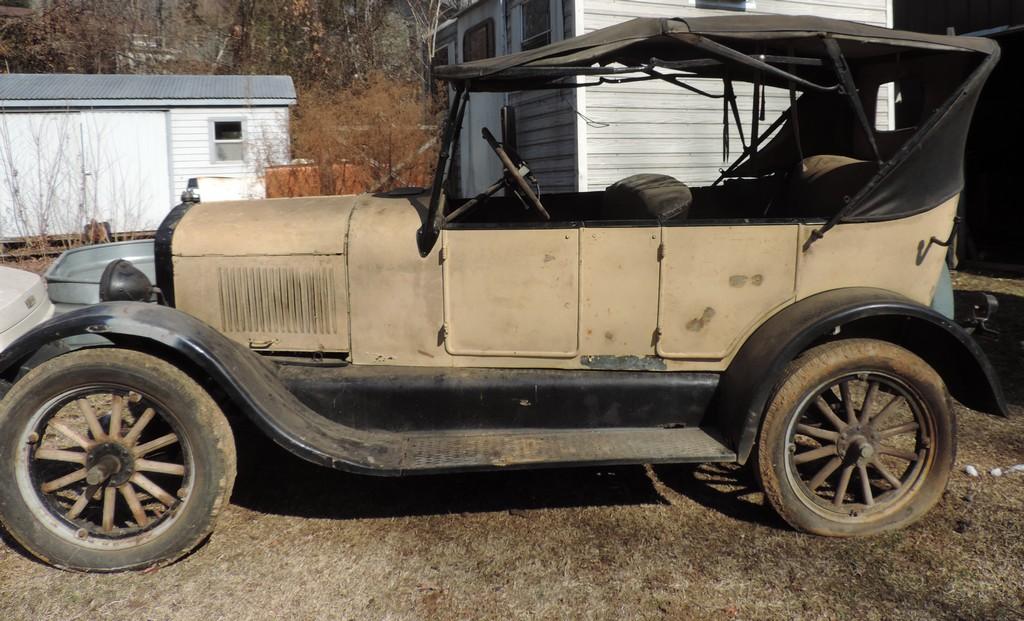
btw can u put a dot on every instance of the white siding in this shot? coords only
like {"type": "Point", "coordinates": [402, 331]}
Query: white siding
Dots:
{"type": "Point", "coordinates": [265, 132]}
{"type": "Point", "coordinates": [546, 120]}
{"type": "Point", "coordinates": [127, 179]}
{"type": "Point", "coordinates": [40, 173]}
{"type": "Point", "coordinates": [477, 166]}
{"type": "Point", "coordinates": [658, 127]}
{"type": "Point", "coordinates": [546, 130]}
{"type": "Point", "coordinates": [58, 170]}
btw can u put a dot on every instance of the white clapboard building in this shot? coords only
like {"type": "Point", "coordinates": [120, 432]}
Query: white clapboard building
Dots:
{"type": "Point", "coordinates": [121, 148]}
{"type": "Point", "coordinates": [587, 138]}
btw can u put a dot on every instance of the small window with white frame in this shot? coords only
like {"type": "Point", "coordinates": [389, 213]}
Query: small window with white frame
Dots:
{"type": "Point", "coordinates": [227, 138]}
{"type": "Point", "coordinates": [536, 23]}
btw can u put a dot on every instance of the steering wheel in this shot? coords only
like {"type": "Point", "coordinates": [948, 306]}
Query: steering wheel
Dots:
{"type": "Point", "coordinates": [514, 171]}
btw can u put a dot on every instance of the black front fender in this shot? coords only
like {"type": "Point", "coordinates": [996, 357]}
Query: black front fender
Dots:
{"type": "Point", "coordinates": [117, 321]}
{"type": "Point", "coordinates": [248, 381]}
{"type": "Point", "coordinates": [749, 382]}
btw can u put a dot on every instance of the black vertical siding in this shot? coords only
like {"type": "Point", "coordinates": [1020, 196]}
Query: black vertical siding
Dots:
{"type": "Point", "coordinates": [992, 203]}
{"type": "Point", "coordinates": [935, 16]}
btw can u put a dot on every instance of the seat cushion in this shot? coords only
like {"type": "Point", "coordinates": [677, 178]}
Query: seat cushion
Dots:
{"type": "Point", "coordinates": [641, 197]}
{"type": "Point", "coordinates": [821, 185]}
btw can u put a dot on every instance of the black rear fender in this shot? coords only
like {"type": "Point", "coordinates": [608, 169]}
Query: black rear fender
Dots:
{"type": "Point", "coordinates": [748, 384]}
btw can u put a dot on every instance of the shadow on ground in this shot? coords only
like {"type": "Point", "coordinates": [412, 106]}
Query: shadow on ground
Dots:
{"type": "Point", "coordinates": [729, 489]}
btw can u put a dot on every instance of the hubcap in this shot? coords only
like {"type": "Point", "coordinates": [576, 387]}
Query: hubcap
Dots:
{"type": "Point", "coordinates": [864, 451]}
{"type": "Point", "coordinates": [859, 444]}
{"type": "Point", "coordinates": [111, 463]}
{"type": "Point", "coordinates": [104, 465]}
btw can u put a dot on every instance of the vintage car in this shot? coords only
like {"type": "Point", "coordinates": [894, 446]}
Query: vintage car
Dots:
{"type": "Point", "coordinates": [780, 316]}
{"type": "Point", "coordinates": [73, 279]}
{"type": "Point", "coordinates": [23, 303]}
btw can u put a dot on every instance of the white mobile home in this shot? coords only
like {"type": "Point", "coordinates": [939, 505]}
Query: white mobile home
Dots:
{"type": "Point", "coordinates": [584, 139]}
{"type": "Point", "coordinates": [121, 148]}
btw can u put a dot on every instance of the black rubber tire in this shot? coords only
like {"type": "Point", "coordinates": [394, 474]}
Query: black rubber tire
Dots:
{"type": "Point", "coordinates": [198, 417]}
{"type": "Point", "coordinates": [809, 371]}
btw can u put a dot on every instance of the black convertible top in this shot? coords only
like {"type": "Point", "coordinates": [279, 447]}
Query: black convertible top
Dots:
{"type": "Point", "coordinates": [639, 40]}
{"type": "Point", "coordinates": [821, 62]}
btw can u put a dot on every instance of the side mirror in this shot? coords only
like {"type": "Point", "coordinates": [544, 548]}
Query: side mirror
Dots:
{"type": "Point", "coordinates": [123, 282]}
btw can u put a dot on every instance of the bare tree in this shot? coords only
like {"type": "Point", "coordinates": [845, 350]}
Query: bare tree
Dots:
{"type": "Point", "coordinates": [40, 180]}
{"type": "Point", "coordinates": [112, 188]}
{"type": "Point", "coordinates": [427, 17]}
{"type": "Point", "coordinates": [61, 170]}
{"type": "Point", "coordinates": [266, 145]}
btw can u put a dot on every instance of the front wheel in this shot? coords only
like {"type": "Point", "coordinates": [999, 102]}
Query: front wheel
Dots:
{"type": "Point", "coordinates": [118, 460]}
{"type": "Point", "coordinates": [859, 438]}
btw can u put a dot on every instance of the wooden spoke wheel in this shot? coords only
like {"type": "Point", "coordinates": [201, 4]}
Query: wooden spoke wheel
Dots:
{"type": "Point", "coordinates": [860, 437]}
{"type": "Point", "coordinates": [119, 461]}
{"type": "Point", "coordinates": [108, 463]}
{"type": "Point", "coordinates": [860, 444]}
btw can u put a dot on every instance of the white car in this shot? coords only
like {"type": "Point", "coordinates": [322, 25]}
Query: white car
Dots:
{"type": "Point", "coordinates": [23, 303]}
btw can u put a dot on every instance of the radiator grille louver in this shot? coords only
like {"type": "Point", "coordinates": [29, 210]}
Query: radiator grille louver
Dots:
{"type": "Point", "coordinates": [278, 300]}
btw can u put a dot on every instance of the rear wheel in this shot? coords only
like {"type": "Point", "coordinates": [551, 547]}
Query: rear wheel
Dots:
{"type": "Point", "coordinates": [859, 438]}
{"type": "Point", "coordinates": [119, 461]}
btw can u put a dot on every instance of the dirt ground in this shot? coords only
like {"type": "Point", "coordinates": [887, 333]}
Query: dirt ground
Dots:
{"type": "Point", "coordinates": [676, 542]}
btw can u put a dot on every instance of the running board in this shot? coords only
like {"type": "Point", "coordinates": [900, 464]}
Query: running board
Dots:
{"type": "Point", "coordinates": [526, 448]}
{"type": "Point", "coordinates": [389, 453]}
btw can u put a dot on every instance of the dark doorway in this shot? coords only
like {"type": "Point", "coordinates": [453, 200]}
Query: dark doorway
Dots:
{"type": "Point", "coordinates": [992, 205]}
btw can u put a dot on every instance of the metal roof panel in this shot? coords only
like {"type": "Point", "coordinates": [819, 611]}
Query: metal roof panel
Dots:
{"type": "Point", "coordinates": [66, 87]}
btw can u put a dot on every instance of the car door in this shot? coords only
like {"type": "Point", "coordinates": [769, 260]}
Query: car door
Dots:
{"type": "Point", "coordinates": [718, 282]}
{"type": "Point", "coordinates": [511, 291]}
{"type": "Point", "coordinates": [618, 293]}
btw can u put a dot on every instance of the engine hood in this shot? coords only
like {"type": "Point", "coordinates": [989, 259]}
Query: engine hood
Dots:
{"type": "Point", "coordinates": [273, 274]}
{"type": "Point", "coordinates": [269, 227]}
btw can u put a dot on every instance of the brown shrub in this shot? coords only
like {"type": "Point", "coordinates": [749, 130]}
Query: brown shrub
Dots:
{"type": "Point", "coordinates": [304, 180]}
{"type": "Point", "coordinates": [381, 129]}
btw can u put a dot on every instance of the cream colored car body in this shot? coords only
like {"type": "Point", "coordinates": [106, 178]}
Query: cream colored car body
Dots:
{"type": "Point", "coordinates": [343, 275]}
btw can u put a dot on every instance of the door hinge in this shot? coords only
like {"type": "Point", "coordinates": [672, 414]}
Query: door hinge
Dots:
{"type": "Point", "coordinates": [657, 335]}
{"type": "Point", "coordinates": [445, 331]}
{"type": "Point", "coordinates": [442, 256]}
{"type": "Point", "coordinates": [661, 251]}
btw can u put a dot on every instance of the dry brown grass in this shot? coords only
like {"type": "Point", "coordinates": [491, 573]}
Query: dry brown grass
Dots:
{"type": "Point", "coordinates": [674, 542]}
{"type": "Point", "coordinates": [36, 265]}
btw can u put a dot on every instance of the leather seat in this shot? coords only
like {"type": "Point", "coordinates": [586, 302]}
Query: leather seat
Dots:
{"type": "Point", "coordinates": [641, 197]}
{"type": "Point", "coordinates": [821, 185]}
